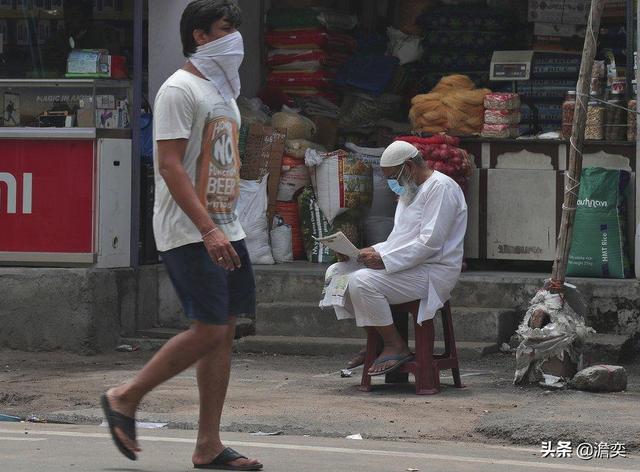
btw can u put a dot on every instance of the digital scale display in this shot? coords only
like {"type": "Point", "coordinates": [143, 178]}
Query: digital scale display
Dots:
{"type": "Point", "coordinates": [511, 71]}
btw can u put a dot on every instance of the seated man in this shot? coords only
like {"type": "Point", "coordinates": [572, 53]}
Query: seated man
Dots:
{"type": "Point", "coordinates": [421, 259]}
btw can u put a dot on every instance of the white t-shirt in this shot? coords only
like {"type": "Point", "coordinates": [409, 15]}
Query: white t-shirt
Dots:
{"type": "Point", "coordinates": [189, 107]}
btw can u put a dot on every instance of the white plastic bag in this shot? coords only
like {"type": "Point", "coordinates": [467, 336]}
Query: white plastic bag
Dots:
{"type": "Point", "coordinates": [282, 242]}
{"type": "Point", "coordinates": [252, 213]}
{"type": "Point", "coordinates": [406, 47]}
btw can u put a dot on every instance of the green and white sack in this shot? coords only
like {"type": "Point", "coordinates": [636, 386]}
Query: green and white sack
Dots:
{"type": "Point", "coordinates": [600, 247]}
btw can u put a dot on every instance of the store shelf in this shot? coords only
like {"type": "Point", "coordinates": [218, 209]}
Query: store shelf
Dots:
{"type": "Point", "coordinates": [64, 133]}
{"type": "Point", "coordinates": [99, 83]}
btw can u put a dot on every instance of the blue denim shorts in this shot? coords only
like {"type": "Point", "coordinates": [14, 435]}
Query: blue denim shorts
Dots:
{"type": "Point", "coordinates": [209, 293]}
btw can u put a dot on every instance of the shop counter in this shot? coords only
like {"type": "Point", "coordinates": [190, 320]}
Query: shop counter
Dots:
{"type": "Point", "coordinates": [65, 197]}
{"type": "Point", "coordinates": [516, 193]}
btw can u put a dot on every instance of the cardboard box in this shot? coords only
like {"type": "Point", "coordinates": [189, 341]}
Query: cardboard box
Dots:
{"type": "Point", "coordinates": [262, 155]}
{"type": "Point", "coordinates": [570, 12]}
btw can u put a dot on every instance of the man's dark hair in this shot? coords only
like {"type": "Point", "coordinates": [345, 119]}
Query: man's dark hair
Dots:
{"type": "Point", "coordinates": [201, 14]}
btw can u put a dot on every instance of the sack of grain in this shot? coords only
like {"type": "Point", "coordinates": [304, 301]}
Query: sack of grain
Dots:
{"type": "Point", "coordinates": [297, 126]}
{"type": "Point", "coordinates": [297, 147]}
{"type": "Point", "coordinates": [341, 181]}
{"type": "Point", "coordinates": [252, 213]}
{"type": "Point", "coordinates": [315, 225]}
{"type": "Point", "coordinates": [293, 176]}
{"type": "Point", "coordinates": [600, 247]}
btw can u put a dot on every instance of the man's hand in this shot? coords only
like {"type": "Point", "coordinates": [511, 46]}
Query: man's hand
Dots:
{"type": "Point", "coordinates": [220, 250]}
{"type": "Point", "coordinates": [371, 259]}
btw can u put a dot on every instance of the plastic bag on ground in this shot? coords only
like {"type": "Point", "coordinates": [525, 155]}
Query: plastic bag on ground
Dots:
{"type": "Point", "coordinates": [557, 337]}
{"type": "Point", "coordinates": [252, 213]}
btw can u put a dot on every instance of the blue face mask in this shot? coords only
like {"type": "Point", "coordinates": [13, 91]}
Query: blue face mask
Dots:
{"type": "Point", "coordinates": [395, 187]}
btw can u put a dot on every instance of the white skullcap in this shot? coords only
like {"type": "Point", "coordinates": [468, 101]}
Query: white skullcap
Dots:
{"type": "Point", "coordinates": [397, 154]}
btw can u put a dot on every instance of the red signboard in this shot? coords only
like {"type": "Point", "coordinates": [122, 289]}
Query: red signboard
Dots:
{"type": "Point", "coordinates": [46, 196]}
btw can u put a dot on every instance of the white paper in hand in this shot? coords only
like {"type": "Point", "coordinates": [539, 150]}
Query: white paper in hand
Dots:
{"type": "Point", "coordinates": [339, 243]}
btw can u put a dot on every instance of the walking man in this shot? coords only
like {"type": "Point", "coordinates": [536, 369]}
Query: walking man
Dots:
{"type": "Point", "coordinates": [196, 122]}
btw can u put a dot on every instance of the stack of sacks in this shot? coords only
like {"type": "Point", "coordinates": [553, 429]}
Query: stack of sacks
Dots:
{"type": "Point", "coordinates": [306, 51]}
{"type": "Point", "coordinates": [454, 107]}
{"type": "Point", "coordinates": [502, 115]}
{"type": "Point", "coordinates": [443, 154]}
{"type": "Point", "coordinates": [294, 174]}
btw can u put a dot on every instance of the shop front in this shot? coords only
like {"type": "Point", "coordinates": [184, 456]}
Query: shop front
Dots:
{"type": "Point", "coordinates": [353, 75]}
{"type": "Point", "coordinates": [70, 82]}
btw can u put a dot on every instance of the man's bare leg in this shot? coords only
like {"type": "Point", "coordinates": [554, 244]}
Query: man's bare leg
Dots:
{"type": "Point", "coordinates": [179, 353]}
{"type": "Point", "coordinates": [213, 379]}
{"type": "Point", "coordinates": [359, 358]}
{"type": "Point", "coordinates": [394, 345]}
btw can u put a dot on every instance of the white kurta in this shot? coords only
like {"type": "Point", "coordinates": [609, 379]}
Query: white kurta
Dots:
{"type": "Point", "coordinates": [423, 258]}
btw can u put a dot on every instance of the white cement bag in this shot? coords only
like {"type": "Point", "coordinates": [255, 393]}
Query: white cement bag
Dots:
{"type": "Point", "coordinates": [252, 213]}
{"type": "Point", "coordinates": [282, 243]}
{"type": "Point", "coordinates": [340, 181]}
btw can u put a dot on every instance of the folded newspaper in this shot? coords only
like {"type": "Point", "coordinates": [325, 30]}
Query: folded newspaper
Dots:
{"type": "Point", "coordinates": [339, 243]}
{"type": "Point", "coordinates": [337, 276]}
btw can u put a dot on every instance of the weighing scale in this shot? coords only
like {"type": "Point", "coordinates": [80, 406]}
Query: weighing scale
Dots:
{"type": "Point", "coordinates": [514, 67]}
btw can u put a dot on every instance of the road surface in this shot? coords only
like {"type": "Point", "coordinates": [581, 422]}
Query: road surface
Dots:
{"type": "Point", "coordinates": [64, 448]}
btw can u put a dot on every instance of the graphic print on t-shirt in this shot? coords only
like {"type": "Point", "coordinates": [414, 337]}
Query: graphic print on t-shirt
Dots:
{"type": "Point", "coordinates": [217, 174]}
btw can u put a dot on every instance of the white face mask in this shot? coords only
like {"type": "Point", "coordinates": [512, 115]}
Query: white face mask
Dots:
{"type": "Point", "coordinates": [219, 62]}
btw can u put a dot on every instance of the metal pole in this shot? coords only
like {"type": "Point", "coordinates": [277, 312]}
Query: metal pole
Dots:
{"type": "Point", "coordinates": [138, 17]}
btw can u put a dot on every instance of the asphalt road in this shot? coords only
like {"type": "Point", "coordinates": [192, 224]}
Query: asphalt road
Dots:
{"type": "Point", "coordinates": [62, 448]}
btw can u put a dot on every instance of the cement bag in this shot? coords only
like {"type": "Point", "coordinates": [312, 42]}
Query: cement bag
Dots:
{"type": "Point", "coordinates": [600, 247]}
{"type": "Point", "coordinates": [341, 182]}
{"type": "Point", "coordinates": [281, 241]}
{"type": "Point", "coordinates": [293, 177]}
{"type": "Point", "coordinates": [314, 224]}
{"type": "Point", "coordinates": [252, 213]}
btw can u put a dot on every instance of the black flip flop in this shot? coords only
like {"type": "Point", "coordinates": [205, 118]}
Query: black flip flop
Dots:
{"type": "Point", "coordinates": [402, 359]}
{"type": "Point", "coordinates": [222, 462]}
{"type": "Point", "coordinates": [117, 420]}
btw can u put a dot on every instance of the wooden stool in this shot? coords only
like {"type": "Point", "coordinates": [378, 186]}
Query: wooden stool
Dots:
{"type": "Point", "coordinates": [426, 366]}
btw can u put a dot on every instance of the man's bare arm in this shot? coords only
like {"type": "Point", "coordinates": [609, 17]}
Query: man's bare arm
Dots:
{"type": "Point", "coordinates": [170, 156]}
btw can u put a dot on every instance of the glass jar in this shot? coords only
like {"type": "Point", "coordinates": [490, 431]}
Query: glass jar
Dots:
{"type": "Point", "coordinates": [595, 121]}
{"type": "Point", "coordinates": [568, 111]}
{"type": "Point", "coordinates": [615, 121]}
{"type": "Point", "coordinates": [632, 126]}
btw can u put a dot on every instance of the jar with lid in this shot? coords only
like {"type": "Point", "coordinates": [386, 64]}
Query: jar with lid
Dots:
{"type": "Point", "coordinates": [615, 121]}
{"type": "Point", "coordinates": [632, 127]}
{"type": "Point", "coordinates": [595, 121]}
{"type": "Point", "coordinates": [568, 111]}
